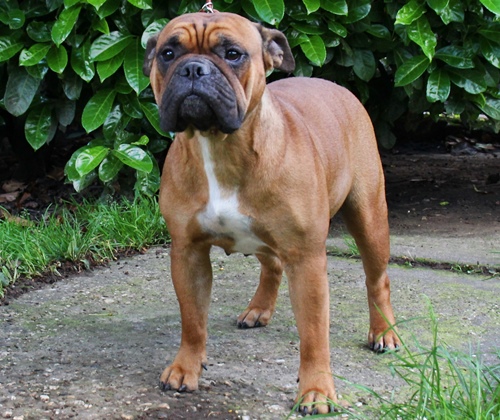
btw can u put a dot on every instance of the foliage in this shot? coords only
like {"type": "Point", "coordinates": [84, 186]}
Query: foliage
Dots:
{"type": "Point", "coordinates": [71, 62]}
{"type": "Point", "coordinates": [79, 62]}
{"type": "Point", "coordinates": [401, 58]}
{"type": "Point", "coordinates": [78, 234]}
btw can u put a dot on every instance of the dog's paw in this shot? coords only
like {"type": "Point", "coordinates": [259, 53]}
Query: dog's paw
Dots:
{"type": "Point", "coordinates": [380, 342]}
{"type": "Point", "coordinates": [180, 378]}
{"type": "Point", "coordinates": [253, 318]}
{"type": "Point", "coordinates": [316, 402]}
{"type": "Point", "coordinates": [316, 394]}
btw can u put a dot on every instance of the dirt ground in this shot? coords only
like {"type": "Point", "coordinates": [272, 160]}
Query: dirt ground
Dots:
{"type": "Point", "coordinates": [92, 346]}
{"type": "Point", "coordinates": [443, 193]}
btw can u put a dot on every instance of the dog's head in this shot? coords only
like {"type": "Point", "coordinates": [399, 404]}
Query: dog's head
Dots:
{"type": "Point", "coordinates": [208, 70]}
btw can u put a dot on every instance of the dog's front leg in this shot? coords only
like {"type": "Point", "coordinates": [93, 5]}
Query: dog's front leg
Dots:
{"type": "Point", "coordinates": [309, 294]}
{"type": "Point", "coordinates": [192, 278]}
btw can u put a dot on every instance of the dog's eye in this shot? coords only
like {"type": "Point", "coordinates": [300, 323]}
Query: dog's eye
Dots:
{"type": "Point", "coordinates": [233, 55]}
{"type": "Point", "coordinates": [167, 54]}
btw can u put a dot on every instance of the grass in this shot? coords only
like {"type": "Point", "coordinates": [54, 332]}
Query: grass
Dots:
{"type": "Point", "coordinates": [441, 384]}
{"type": "Point", "coordinates": [78, 234]}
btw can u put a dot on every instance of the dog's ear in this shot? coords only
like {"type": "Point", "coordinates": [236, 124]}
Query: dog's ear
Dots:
{"type": "Point", "coordinates": [149, 55]}
{"type": "Point", "coordinates": [276, 50]}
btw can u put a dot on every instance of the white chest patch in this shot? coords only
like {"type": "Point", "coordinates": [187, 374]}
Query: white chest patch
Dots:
{"type": "Point", "coordinates": [221, 216]}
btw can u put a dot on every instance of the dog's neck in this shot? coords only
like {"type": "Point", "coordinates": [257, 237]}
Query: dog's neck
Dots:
{"type": "Point", "coordinates": [235, 155]}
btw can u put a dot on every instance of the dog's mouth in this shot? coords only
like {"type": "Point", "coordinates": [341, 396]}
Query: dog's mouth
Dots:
{"type": "Point", "coordinates": [197, 112]}
{"type": "Point", "coordinates": [204, 101]}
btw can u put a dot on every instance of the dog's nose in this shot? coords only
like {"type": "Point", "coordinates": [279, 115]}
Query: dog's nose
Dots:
{"type": "Point", "coordinates": [194, 70]}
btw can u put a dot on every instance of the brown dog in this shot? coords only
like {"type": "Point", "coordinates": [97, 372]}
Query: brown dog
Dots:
{"type": "Point", "coordinates": [261, 170]}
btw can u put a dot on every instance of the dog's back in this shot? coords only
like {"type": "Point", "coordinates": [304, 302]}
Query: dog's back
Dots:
{"type": "Point", "coordinates": [338, 125]}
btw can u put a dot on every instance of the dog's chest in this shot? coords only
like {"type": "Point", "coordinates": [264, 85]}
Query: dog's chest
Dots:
{"type": "Point", "coordinates": [221, 216]}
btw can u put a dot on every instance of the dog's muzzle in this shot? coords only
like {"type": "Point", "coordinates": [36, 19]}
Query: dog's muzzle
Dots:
{"type": "Point", "coordinates": [199, 95]}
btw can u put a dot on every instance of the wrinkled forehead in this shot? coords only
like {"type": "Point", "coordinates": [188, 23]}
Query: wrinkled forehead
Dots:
{"type": "Point", "coordinates": [205, 30]}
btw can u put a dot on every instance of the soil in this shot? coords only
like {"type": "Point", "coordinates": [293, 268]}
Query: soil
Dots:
{"type": "Point", "coordinates": [443, 193]}
{"type": "Point", "coordinates": [92, 346]}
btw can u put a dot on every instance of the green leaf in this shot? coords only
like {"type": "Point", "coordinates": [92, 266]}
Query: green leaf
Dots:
{"type": "Point", "coordinates": [158, 145]}
{"type": "Point", "coordinates": [101, 25]}
{"type": "Point", "coordinates": [337, 28]}
{"type": "Point", "coordinates": [143, 141]}
{"type": "Point", "coordinates": [38, 71]}
{"type": "Point", "coordinates": [337, 7]}
{"type": "Point", "coordinates": [97, 109]}
{"type": "Point", "coordinates": [39, 127]}
{"type": "Point", "coordinates": [39, 31]}
{"type": "Point", "coordinates": [490, 31]}
{"type": "Point", "coordinates": [148, 183]}
{"type": "Point", "coordinates": [70, 169]}
{"type": "Point", "coordinates": [312, 28]}
{"type": "Point", "coordinates": [81, 63]}
{"type": "Point", "coordinates": [410, 12]}
{"type": "Point", "coordinates": [96, 3]}
{"type": "Point", "coordinates": [109, 168]}
{"type": "Point", "coordinates": [151, 30]}
{"type": "Point", "coordinates": [385, 136]}
{"type": "Point", "coordinates": [107, 46]}
{"type": "Point", "coordinates": [411, 70]}
{"type": "Point", "coordinates": [65, 24]}
{"type": "Point", "coordinates": [113, 123]}
{"type": "Point", "coordinates": [57, 58]}
{"type": "Point", "coordinates": [303, 67]}
{"type": "Point", "coordinates": [364, 64]}
{"type": "Point", "coordinates": [358, 9]}
{"type": "Point", "coordinates": [16, 18]}
{"type": "Point", "coordinates": [379, 31]}
{"type": "Point", "coordinates": [109, 67]}
{"type": "Point", "coordinates": [65, 111]}
{"type": "Point", "coordinates": [72, 85]}
{"type": "Point", "coordinates": [420, 32]}
{"type": "Point", "coordinates": [83, 182]}
{"type": "Point", "coordinates": [314, 49]}
{"type": "Point", "coordinates": [108, 8]}
{"type": "Point", "coordinates": [438, 86]}
{"type": "Point", "coordinates": [9, 48]}
{"type": "Point", "coordinates": [491, 52]}
{"type": "Point", "coordinates": [453, 13]}
{"type": "Point", "coordinates": [491, 107]}
{"type": "Point", "coordinates": [311, 5]}
{"type": "Point", "coordinates": [134, 156]}
{"type": "Point", "coordinates": [20, 91]}
{"type": "Point", "coordinates": [142, 4]}
{"type": "Point", "coordinates": [89, 159]}
{"type": "Point", "coordinates": [132, 66]}
{"type": "Point", "coordinates": [437, 5]}
{"type": "Point", "coordinates": [455, 57]}
{"type": "Point", "coordinates": [34, 54]}
{"type": "Point", "coordinates": [492, 5]}
{"type": "Point", "coordinates": [151, 112]}
{"type": "Point", "coordinates": [471, 81]}
{"type": "Point", "coordinates": [131, 105]}
{"type": "Point", "coordinates": [270, 11]}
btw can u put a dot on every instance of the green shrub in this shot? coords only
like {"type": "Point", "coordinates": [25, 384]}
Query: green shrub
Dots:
{"type": "Point", "coordinates": [80, 62]}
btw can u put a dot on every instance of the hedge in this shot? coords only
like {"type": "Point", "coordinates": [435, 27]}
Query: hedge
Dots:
{"type": "Point", "coordinates": [67, 63]}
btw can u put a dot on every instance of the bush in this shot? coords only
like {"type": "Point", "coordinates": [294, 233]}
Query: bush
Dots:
{"type": "Point", "coordinates": [78, 62]}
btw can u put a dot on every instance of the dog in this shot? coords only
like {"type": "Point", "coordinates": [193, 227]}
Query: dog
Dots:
{"type": "Point", "coordinates": [261, 169]}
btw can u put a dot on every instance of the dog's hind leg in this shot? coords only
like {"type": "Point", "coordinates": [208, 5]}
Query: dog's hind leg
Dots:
{"type": "Point", "coordinates": [365, 214]}
{"type": "Point", "coordinates": [261, 307]}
